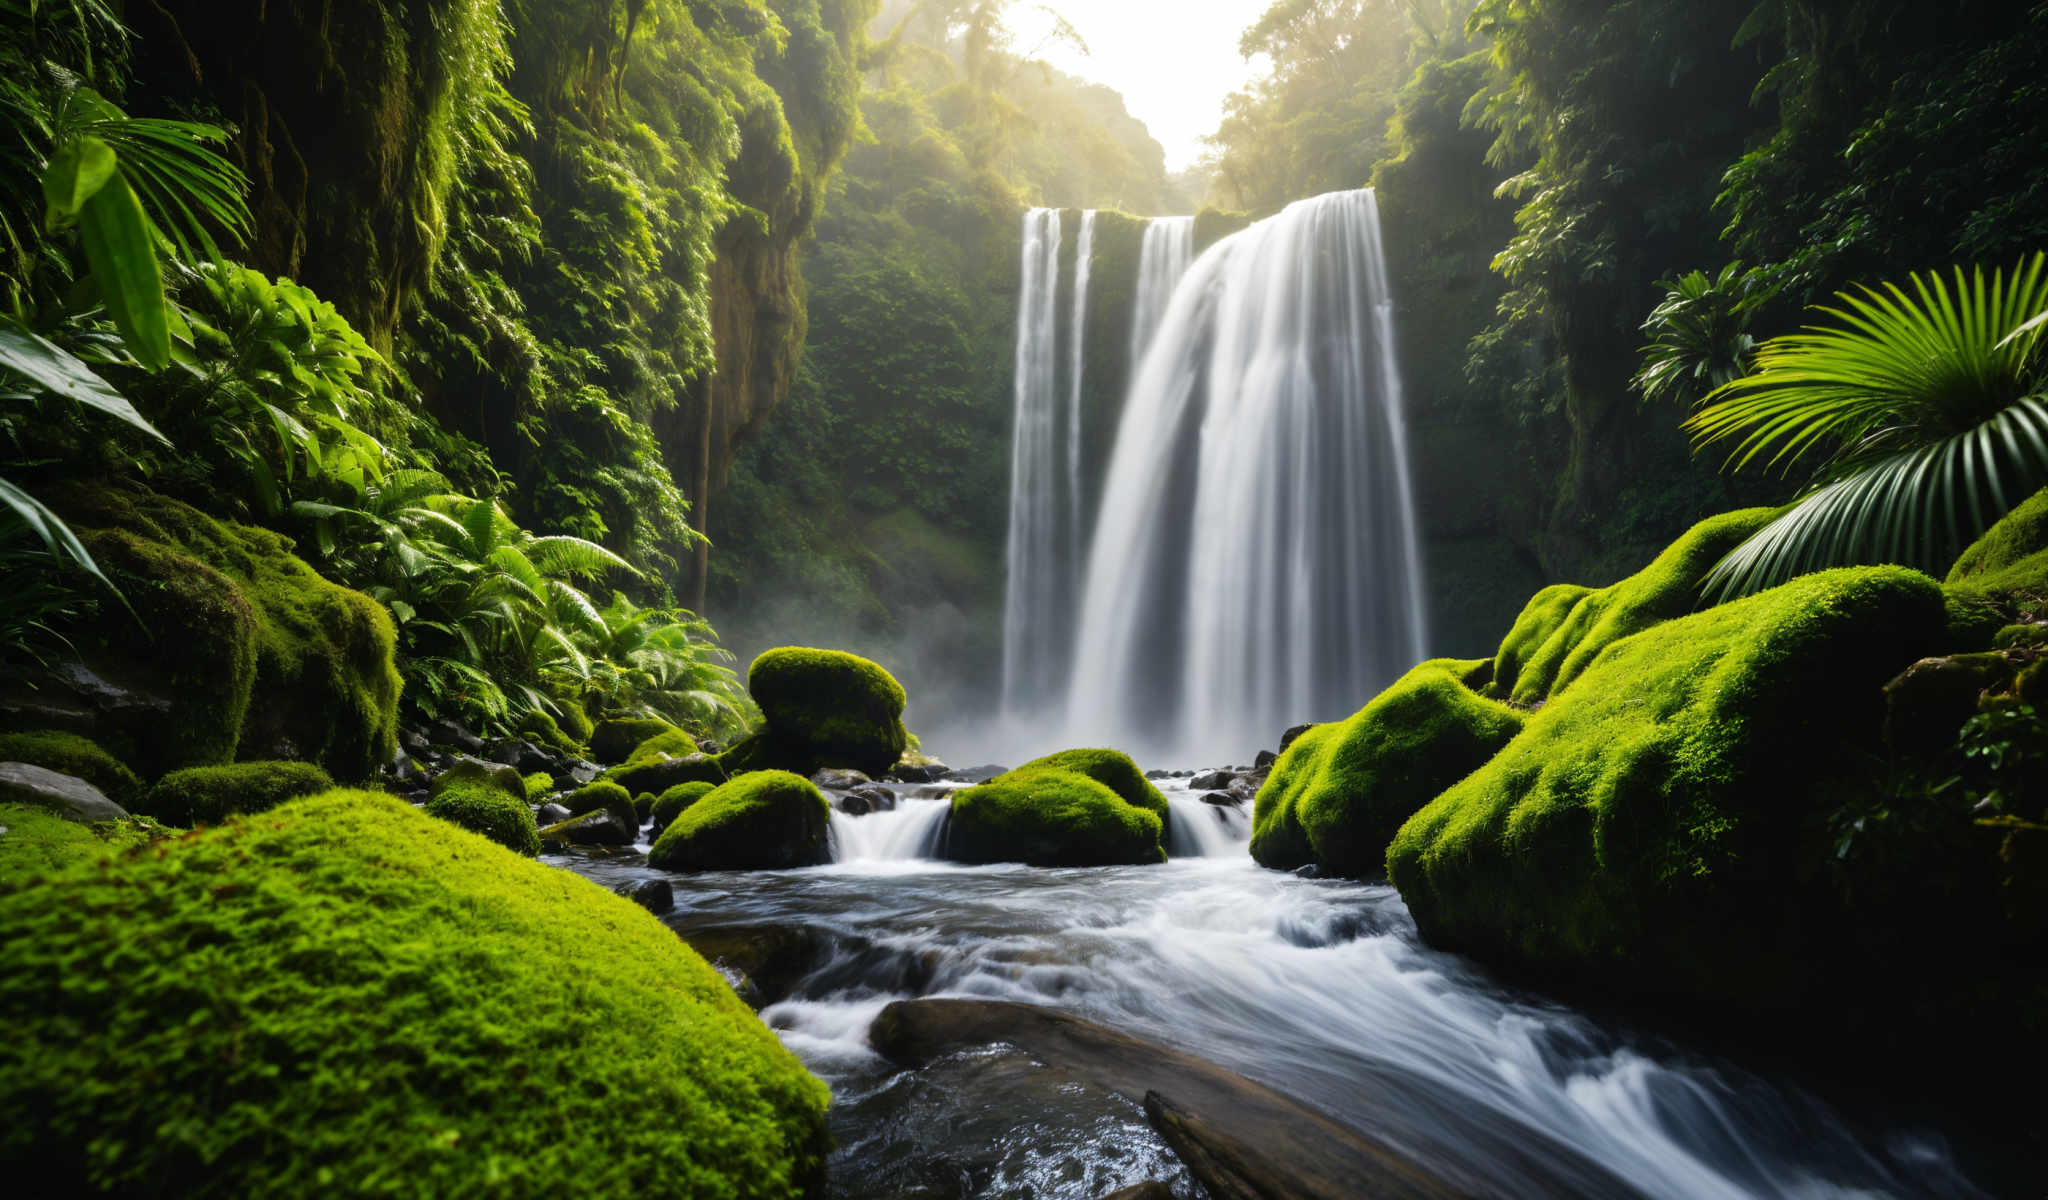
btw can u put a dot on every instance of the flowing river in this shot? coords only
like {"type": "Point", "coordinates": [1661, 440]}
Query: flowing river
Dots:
{"type": "Point", "coordinates": [1319, 988]}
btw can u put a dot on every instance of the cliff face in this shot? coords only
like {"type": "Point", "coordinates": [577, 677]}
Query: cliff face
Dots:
{"type": "Point", "coordinates": [343, 116]}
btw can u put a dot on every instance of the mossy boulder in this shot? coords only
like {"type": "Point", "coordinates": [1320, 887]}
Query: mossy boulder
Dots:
{"type": "Point", "coordinates": [71, 754]}
{"type": "Point", "coordinates": [672, 802]}
{"type": "Point", "coordinates": [1077, 808]}
{"type": "Point", "coordinates": [615, 740]}
{"type": "Point", "coordinates": [837, 709]}
{"type": "Point", "coordinates": [1341, 791]}
{"type": "Point", "coordinates": [1565, 628]}
{"type": "Point", "coordinates": [537, 786]}
{"type": "Point", "coordinates": [1654, 826]}
{"type": "Point", "coordinates": [766, 820]}
{"type": "Point", "coordinates": [258, 655]}
{"type": "Point", "coordinates": [472, 771]}
{"type": "Point", "coordinates": [210, 795]}
{"type": "Point", "coordinates": [484, 809]}
{"type": "Point", "coordinates": [659, 771]}
{"type": "Point", "coordinates": [605, 816]}
{"type": "Point", "coordinates": [35, 841]}
{"type": "Point", "coordinates": [367, 995]}
{"type": "Point", "coordinates": [2012, 556]}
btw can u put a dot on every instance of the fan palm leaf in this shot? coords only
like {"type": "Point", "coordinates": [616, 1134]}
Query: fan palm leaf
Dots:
{"type": "Point", "coordinates": [1922, 410]}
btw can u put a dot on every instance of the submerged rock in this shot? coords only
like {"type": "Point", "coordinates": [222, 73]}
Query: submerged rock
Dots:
{"type": "Point", "coordinates": [655, 895]}
{"type": "Point", "coordinates": [1209, 781]}
{"type": "Point", "coordinates": [761, 962]}
{"type": "Point", "coordinates": [861, 801]}
{"type": "Point", "coordinates": [1238, 1138]}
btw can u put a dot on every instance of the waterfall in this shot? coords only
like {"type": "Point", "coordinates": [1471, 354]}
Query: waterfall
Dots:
{"type": "Point", "coordinates": [1036, 594]}
{"type": "Point", "coordinates": [1256, 561]}
{"type": "Point", "coordinates": [1077, 338]}
{"type": "Point", "coordinates": [908, 832]}
{"type": "Point", "coordinates": [1163, 257]}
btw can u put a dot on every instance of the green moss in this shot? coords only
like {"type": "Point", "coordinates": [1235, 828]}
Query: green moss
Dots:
{"type": "Point", "coordinates": [658, 774]}
{"type": "Point", "coordinates": [1342, 790]}
{"type": "Point", "coordinates": [487, 810]}
{"type": "Point", "coordinates": [1651, 819]}
{"type": "Point", "coordinates": [766, 820]}
{"type": "Point", "coordinates": [468, 771]}
{"type": "Point", "coordinates": [364, 994]}
{"type": "Point", "coordinates": [573, 721]}
{"type": "Point", "coordinates": [35, 842]}
{"type": "Point", "coordinates": [643, 806]}
{"type": "Point", "coordinates": [1212, 225]}
{"type": "Point", "coordinates": [674, 801]}
{"type": "Point", "coordinates": [70, 754]}
{"type": "Point", "coordinates": [669, 743]}
{"type": "Point", "coordinates": [2017, 537]}
{"type": "Point", "coordinates": [541, 729]}
{"type": "Point", "coordinates": [1077, 808]}
{"type": "Point", "coordinates": [839, 709]}
{"type": "Point", "coordinates": [1538, 669]}
{"type": "Point", "coordinates": [210, 795]}
{"type": "Point", "coordinates": [263, 656]}
{"type": "Point", "coordinates": [603, 795]}
{"type": "Point", "coordinates": [614, 741]}
{"type": "Point", "coordinates": [538, 785]}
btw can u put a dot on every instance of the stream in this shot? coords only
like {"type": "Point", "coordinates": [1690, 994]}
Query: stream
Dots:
{"type": "Point", "coordinates": [1319, 988]}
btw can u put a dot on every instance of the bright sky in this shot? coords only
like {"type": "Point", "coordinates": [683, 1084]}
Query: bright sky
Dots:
{"type": "Point", "coordinates": [1174, 60]}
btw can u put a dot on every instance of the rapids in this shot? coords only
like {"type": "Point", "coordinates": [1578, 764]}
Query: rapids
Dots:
{"type": "Point", "coordinates": [1319, 988]}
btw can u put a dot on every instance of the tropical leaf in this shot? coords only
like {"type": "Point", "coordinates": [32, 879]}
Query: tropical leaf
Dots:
{"type": "Point", "coordinates": [1925, 409]}
{"type": "Point", "coordinates": [563, 555]}
{"type": "Point", "coordinates": [62, 373]}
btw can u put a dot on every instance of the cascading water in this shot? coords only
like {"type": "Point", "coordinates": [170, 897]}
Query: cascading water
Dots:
{"type": "Point", "coordinates": [1077, 342]}
{"type": "Point", "coordinates": [1255, 562]}
{"type": "Point", "coordinates": [1319, 988]}
{"type": "Point", "coordinates": [1035, 602]}
{"type": "Point", "coordinates": [1163, 257]}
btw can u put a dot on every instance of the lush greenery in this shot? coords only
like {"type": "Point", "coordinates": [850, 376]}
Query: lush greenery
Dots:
{"type": "Point", "coordinates": [389, 1001]}
{"type": "Point", "coordinates": [210, 795]}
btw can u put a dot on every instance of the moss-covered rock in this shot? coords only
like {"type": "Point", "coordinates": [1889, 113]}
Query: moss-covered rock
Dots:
{"type": "Point", "coordinates": [259, 656]}
{"type": "Point", "coordinates": [537, 786]}
{"type": "Point", "coordinates": [484, 809]}
{"type": "Point", "coordinates": [669, 743]}
{"type": "Point", "coordinates": [2012, 556]}
{"type": "Point", "coordinates": [615, 740]}
{"type": "Point", "coordinates": [1342, 790]}
{"type": "Point", "coordinates": [386, 1001]}
{"type": "Point", "coordinates": [1654, 824]}
{"type": "Point", "coordinates": [765, 820]}
{"type": "Point", "coordinates": [472, 771]}
{"type": "Point", "coordinates": [659, 772]}
{"type": "Point", "coordinates": [210, 795]}
{"type": "Point", "coordinates": [619, 825]}
{"type": "Point", "coordinates": [673, 801]}
{"type": "Point", "coordinates": [1077, 808]}
{"type": "Point", "coordinates": [35, 841]}
{"type": "Point", "coordinates": [837, 709]}
{"type": "Point", "coordinates": [1564, 628]}
{"type": "Point", "coordinates": [72, 754]}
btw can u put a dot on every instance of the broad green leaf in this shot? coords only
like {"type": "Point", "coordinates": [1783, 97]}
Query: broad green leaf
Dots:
{"type": "Point", "coordinates": [59, 371]}
{"type": "Point", "coordinates": [122, 254]}
{"type": "Point", "coordinates": [77, 171]}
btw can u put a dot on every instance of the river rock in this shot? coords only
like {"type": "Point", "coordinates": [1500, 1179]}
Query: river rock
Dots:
{"type": "Point", "coordinates": [582, 771]}
{"type": "Point", "coordinates": [448, 732]}
{"type": "Point", "coordinates": [520, 754]}
{"type": "Point", "coordinates": [1240, 1139]}
{"type": "Point", "coordinates": [1287, 739]}
{"type": "Point", "coordinates": [840, 779]}
{"type": "Point", "coordinates": [864, 800]}
{"type": "Point", "coordinates": [762, 962]}
{"type": "Point", "coordinates": [980, 774]}
{"type": "Point", "coordinates": [552, 814]}
{"type": "Point", "coordinates": [1221, 798]}
{"type": "Point", "coordinates": [1215, 780]}
{"type": "Point", "coordinates": [66, 795]}
{"type": "Point", "coordinates": [1264, 759]}
{"type": "Point", "coordinates": [926, 772]}
{"type": "Point", "coordinates": [655, 895]}
{"type": "Point", "coordinates": [599, 828]}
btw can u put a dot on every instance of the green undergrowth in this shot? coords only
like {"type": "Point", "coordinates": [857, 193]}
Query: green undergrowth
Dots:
{"type": "Point", "coordinates": [366, 1000]}
{"type": "Point", "coordinates": [2010, 562]}
{"type": "Point", "coordinates": [764, 820]}
{"type": "Point", "coordinates": [1647, 821]}
{"type": "Point", "coordinates": [1337, 796]}
{"type": "Point", "coordinates": [487, 810]}
{"type": "Point", "coordinates": [1565, 627]}
{"type": "Point", "coordinates": [1076, 808]}
{"type": "Point", "coordinates": [71, 754]}
{"type": "Point", "coordinates": [210, 795]}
